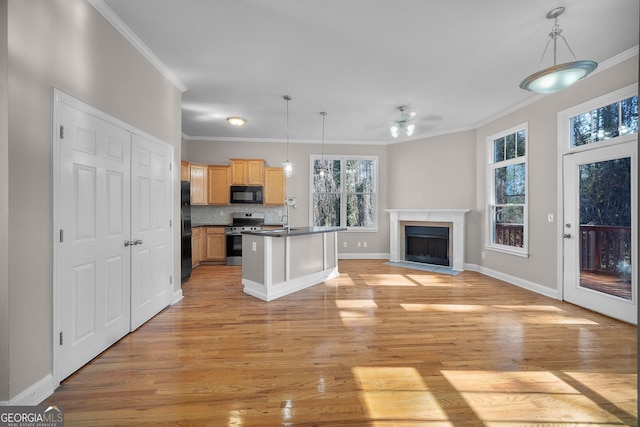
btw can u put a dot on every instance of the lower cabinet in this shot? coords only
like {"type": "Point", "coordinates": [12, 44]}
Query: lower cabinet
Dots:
{"type": "Point", "coordinates": [208, 245]}
{"type": "Point", "coordinates": [196, 246]}
{"type": "Point", "coordinates": [215, 244]}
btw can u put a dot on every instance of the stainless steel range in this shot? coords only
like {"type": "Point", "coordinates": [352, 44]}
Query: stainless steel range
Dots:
{"type": "Point", "coordinates": [242, 221]}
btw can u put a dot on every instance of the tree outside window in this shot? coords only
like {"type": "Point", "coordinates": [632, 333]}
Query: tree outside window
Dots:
{"type": "Point", "coordinates": [345, 193]}
{"type": "Point", "coordinates": [610, 121]}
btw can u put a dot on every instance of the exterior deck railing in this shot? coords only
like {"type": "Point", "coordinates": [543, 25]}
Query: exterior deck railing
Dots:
{"type": "Point", "coordinates": [510, 234]}
{"type": "Point", "coordinates": [604, 249]}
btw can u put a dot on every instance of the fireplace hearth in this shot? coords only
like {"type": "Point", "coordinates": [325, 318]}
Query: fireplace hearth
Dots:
{"type": "Point", "coordinates": [428, 245]}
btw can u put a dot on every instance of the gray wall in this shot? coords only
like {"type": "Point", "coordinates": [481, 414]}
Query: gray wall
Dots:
{"type": "Point", "coordinates": [68, 45]}
{"type": "Point", "coordinates": [542, 264]}
{"type": "Point", "coordinates": [4, 208]}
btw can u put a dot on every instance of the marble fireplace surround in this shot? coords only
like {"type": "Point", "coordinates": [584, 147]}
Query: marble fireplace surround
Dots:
{"type": "Point", "coordinates": [453, 218]}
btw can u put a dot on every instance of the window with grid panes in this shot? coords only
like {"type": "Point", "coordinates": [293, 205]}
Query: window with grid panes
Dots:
{"type": "Point", "coordinates": [507, 191]}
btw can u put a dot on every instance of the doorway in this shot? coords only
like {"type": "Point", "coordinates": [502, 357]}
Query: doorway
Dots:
{"type": "Point", "coordinates": [599, 199]}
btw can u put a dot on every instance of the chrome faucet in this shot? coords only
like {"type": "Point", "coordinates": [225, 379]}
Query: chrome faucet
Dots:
{"type": "Point", "coordinates": [285, 216]}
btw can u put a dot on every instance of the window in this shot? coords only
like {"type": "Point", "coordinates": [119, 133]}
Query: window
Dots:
{"type": "Point", "coordinates": [612, 120]}
{"type": "Point", "coordinates": [346, 194]}
{"type": "Point", "coordinates": [507, 191]}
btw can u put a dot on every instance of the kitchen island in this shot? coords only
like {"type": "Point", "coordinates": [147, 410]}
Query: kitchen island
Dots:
{"type": "Point", "coordinates": [281, 261]}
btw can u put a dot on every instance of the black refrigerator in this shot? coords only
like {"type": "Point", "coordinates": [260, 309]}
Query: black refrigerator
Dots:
{"type": "Point", "coordinates": [185, 226]}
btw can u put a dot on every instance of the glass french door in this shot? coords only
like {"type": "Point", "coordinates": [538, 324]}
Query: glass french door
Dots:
{"type": "Point", "coordinates": [600, 230]}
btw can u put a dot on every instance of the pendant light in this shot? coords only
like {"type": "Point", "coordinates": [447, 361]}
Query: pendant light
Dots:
{"type": "Point", "coordinates": [322, 166]}
{"type": "Point", "coordinates": [561, 76]}
{"type": "Point", "coordinates": [288, 166]}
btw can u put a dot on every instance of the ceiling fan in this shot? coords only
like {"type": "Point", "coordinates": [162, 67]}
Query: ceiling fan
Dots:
{"type": "Point", "coordinates": [404, 123]}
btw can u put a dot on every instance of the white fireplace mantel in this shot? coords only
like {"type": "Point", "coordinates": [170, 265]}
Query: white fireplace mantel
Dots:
{"type": "Point", "coordinates": [453, 216]}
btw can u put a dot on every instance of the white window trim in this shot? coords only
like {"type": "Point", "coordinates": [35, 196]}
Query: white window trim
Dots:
{"type": "Point", "coordinates": [490, 192]}
{"type": "Point", "coordinates": [343, 199]}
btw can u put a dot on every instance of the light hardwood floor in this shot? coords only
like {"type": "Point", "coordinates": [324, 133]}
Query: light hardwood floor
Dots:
{"type": "Point", "coordinates": [378, 346]}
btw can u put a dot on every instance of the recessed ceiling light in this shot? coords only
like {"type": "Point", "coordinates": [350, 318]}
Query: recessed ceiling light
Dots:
{"type": "Point", "coordinates": [236, 121]}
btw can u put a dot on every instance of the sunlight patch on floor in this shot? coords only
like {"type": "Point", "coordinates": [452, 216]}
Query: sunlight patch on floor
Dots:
{"type": "Point", "coordinates": [510, 398]}
{"type": "Point", "coordinates": [529, 314]}
{"type": "Point", "coordinates": [445, 307]}
{"type": "Point", "coordinates": [356, 318]}
{"type": "Point", "coordinates": [356, 303]}
{"type": "Point", "coordinates": [397, 393]}
{"type": "Point", "coordinates": [621, 388]}
{"type": "Point", "coordinates": [342, 281]}
{"type": "Point", "coordinates": [387, 280]}
{"type": "Point", "coordinates": [438, 281]}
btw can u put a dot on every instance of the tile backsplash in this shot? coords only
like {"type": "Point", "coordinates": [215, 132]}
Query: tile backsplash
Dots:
{"type": "Point", "coordinates": [223, 214]}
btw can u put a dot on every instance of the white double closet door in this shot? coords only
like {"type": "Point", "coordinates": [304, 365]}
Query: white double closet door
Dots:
{"type": "Point", "coordinates": [112, 232]}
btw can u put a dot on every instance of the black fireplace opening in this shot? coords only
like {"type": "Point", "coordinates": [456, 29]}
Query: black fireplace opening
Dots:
{"type": "Point", "coordinates": [429, 245]}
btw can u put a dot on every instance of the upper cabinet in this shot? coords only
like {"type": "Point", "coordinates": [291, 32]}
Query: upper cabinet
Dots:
{"type": "Point", "coordinates": [199, 183]}
{"type": "Point", "coordinates": [184, 171]}
{"type": "Point", "coordinates": [274, 186]}
{"type": "Point", "coordinates": [218, 185]}
{"type": "Point", "coordinates": [247, 172]}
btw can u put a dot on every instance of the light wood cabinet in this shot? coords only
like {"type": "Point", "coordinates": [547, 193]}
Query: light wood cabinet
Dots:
{"type": "Point", "coordinates": [215, 244]}
{"type": "Point", "coordinates": [199, 183]}
{"type": "Point", "coordinates": [218, 185]}
{"type": "Point", "coordinates": [196, 246]}
{"type": "Point", "coordinates": [184, 171]}
{"type": "Point", "coordinates": [274, 186]}
{"type": "Point", "coordinates": [247, 171]}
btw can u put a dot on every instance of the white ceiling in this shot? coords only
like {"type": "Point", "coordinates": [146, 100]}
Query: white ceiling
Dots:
{"type": "Point", "coordinates": [456, 63]}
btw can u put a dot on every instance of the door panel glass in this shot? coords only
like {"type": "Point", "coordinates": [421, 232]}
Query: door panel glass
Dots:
{"type": "Point", "coordinates": [605, 227]}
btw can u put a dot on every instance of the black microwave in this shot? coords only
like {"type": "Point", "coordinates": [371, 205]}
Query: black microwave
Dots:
{"type": "Point", "coordinates": [246, 194]}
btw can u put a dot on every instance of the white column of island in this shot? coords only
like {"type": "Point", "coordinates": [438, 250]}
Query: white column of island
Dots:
{"type": "Point", "coordinates": [279, 262]}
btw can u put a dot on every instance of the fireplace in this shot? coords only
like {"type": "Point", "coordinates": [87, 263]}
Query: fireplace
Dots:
{"type": "Point", "coordinates": [453, 219]}
{"type": "Point", "coordinates": [429, 245]}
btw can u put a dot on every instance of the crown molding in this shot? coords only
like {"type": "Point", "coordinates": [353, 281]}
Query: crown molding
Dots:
{"type": "Point", "coordinates": [130, 36]}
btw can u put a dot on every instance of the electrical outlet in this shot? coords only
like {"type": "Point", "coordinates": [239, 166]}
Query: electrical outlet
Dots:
{"type": "Point", "coordinates": [482, 255]}
{"type": "Point", "coordinates": [364, 244]}
{"type": "Point", "coordinates": [254, 246]}
{"type": "Point", "coordinates": [344, 244]}
{"type": "Point", "coordinates": [359, 244]}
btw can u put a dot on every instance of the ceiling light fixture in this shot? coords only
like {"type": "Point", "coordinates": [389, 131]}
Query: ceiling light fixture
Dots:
{"type": "Point", "coordinates": [322, 165]}
{"type": "Point", "coordinates": [236, 121]}
{"type": "Point", "coordinates": [404, 123]}
{"type": "Point", "coordinates": [288, 166]}
{"type": "Point", "coordinates": [561, 76]}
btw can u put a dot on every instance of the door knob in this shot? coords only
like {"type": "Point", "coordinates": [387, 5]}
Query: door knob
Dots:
{"type": "Point", "coordinates": [566, 235]}
{"type": "Point", "coordinates": [137, 242]}
{"type": "Point", "coordinates": [128, 243]}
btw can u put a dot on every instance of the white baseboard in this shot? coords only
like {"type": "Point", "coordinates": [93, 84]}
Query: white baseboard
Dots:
{"type": "Point", "coordinates": [34, 394]}
{"type": "Point", "coordinates": [522, 283]}
{"type": "Point", "coordinates": [362, 255]}
{"type": "Point", "coordinates": [177, 296]}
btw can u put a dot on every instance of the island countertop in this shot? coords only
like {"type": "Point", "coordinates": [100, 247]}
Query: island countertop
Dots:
{"type": "Point", "coordinates": [293, 231]}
